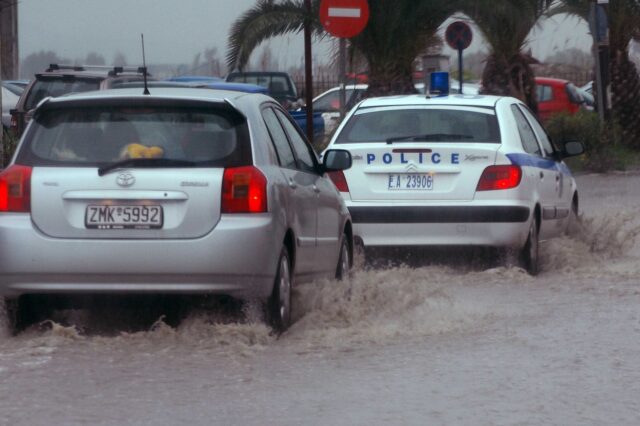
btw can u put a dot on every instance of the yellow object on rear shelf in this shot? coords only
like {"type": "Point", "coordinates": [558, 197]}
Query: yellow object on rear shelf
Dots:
{"type": "Point", "coordinates": [136, 150]}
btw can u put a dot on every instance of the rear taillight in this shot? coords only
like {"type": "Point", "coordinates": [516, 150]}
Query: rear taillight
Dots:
{"type": "Point", "coordinates": [500, 177]}
{"type": "Point", "coordinates": [244, 190]}
{"type": "Point", "coordinates": [15, 189]}
{"type": "Point", "coordinates": [339, 180]}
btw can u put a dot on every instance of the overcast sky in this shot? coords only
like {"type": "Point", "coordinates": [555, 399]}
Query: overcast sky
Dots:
{"type": "Point", "coordinates": [175, 31]}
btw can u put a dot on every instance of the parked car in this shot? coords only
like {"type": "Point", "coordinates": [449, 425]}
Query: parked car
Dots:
{"type": "Point", "coordinates": [279, 84]}
{"type": "Point", "coordinates": [181, 191]}
{"type": "Point", "coordinates": [556, 95]}
{"type": "Point", "coordinates": [62, 79]}
{"type": "Point", "coordinates": [328, 103]}
{"type": "Point", "coordinates": [15, 86]}
{"type": "Point", "coordinates": [454, 171]}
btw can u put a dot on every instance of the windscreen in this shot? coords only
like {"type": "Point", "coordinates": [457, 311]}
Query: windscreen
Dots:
{"type": "Point", "coordinates": [96, 135]}
{"type": "Point", "coordinates": [431, 124]}
{"type": "Point", "coordinates": [43, 88]}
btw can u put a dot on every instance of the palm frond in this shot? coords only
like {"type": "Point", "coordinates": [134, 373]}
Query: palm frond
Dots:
{"type": "Point", "coordinates": [265, 20]}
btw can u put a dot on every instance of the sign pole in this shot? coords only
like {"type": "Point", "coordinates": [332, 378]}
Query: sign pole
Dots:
{"type": "Point", "coordinates": [459, 36]}
{"type": "Point", "coordinates": [460, 66]}
{"type": "Point", "coordinates": [308, 71]}
{"type": "Point", "coordinates": [343, 72]}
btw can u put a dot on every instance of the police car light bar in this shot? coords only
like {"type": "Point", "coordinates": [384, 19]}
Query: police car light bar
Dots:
{"type": "Point", "coordinates": [439, 85]}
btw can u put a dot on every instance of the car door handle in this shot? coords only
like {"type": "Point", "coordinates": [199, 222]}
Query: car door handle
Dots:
{"type": "Point", "coordinates": [541, 175]}
{"type": "Point", "coordinates": [292, 184]}
{"type": "Point", "coordinates": [557, 178]}
{"type": "Point", "coordinates": [316, 189]}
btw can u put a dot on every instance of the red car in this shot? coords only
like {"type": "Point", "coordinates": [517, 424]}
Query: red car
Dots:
{"type": "Point", "coordinates": [556, 95]}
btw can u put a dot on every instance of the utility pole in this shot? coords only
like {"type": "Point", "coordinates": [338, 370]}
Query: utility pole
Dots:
{"type": "Point", "coordinates": [599, 26]}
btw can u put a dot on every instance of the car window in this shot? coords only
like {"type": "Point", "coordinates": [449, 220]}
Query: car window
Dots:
{"type": "Point", "coordinates": [573, 94]}
{"type": "Point", "coordinates": [527, 136]}
{"type": "Point", "coordinates": [277, 85]}
{"type": "Point", "coordinates": [331, 101]}
{"type": "Point", "coordinates": [442, 124]}
{"type": "Point", "coordinates": [541, 134]}
{"type": "Point", "coordinates": [92, 135]}
{"type": "Point", "coordinates": [57, 87]}
{"type": "Point", "coordinates": [302, 149]}
{"type": "Point", "coordinates": [279, 139]}
{"type": "Point", "coordinates": [544, 93]}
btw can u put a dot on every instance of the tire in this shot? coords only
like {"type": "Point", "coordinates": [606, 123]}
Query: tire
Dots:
{"type": "Point", "coordinates": [573, 225]}
{"type": "Point", "coordinates": [529, 253]}
{"type": "Point", "coordinates": [344, 261]}
{"type": "Point", "coordinates": [279, 303]}
{"type": "Point", "coordinates": [9, 323]}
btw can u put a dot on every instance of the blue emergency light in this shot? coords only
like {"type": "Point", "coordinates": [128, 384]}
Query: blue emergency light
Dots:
{"type": "Point", "coordinates": [439, 85]}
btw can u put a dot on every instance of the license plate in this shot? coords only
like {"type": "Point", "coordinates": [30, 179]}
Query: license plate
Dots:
{"type": "Point", "coordinates": [412, 181]}
{"type": "Point", "coordinates": [123, 217]}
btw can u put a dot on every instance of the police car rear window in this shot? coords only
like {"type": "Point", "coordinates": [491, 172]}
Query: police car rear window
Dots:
{"type": "Point", "coordinates": [431, 124]}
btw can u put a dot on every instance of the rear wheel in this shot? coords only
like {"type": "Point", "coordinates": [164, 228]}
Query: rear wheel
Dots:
{"type": "Point", "coordinates": [279, 303]}
{"type": "Point", "coordinates": [573, 225]}
{"type": "Point", "coordinates": [17, 314]}
{"type": "Point", "coordinates": [529, 253]}
{"type": "Point", "coordinates": [344, 261]}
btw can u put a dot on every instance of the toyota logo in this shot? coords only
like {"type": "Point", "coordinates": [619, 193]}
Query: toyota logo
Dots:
{"type": "Point", "coordinates": [125, 179]}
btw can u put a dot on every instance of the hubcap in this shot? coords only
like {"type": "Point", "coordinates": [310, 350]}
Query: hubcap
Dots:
{"type": "Point", "coordinates": [284, 290]}
{"type": "Point", "coordinates": [345, 260]}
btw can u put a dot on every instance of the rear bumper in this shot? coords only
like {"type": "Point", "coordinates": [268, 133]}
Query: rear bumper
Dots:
{"type": "Point", "coordinates": [440, 214]}
{"type": "Point", "coordinates": [237, 258]}
{"type": "Point", "coordinates": [450, 225]}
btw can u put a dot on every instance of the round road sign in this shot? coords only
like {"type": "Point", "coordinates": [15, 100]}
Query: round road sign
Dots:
{"type": "Point", "coordinates": [344, 18]}
{"type": "Point", "coordinates": [458, 35]}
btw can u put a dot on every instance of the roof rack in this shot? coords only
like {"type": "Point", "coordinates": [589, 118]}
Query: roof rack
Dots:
{"type": "Point", "coordinates": [113, 71]}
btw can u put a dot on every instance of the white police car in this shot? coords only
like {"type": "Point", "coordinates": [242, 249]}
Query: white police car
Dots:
{"type": "Point", "coordinates": [452, 171]}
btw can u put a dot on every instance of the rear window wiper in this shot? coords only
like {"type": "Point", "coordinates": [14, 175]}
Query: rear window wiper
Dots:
{"type": "Point", "coordinates": [429, 137]}
{"type": "Point", "coordinates": [145, 162]}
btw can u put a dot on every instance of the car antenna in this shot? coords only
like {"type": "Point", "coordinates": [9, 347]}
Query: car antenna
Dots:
{"type": "Point", "coordinates": [144, 69]}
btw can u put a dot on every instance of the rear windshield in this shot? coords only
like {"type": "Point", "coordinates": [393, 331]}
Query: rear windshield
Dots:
{"type": "Point", "coordinates": [57, 87]}
{"type": "Point", "coordinates": [432, 124]}
{"type": "Point", "coordinates": [95, 135]}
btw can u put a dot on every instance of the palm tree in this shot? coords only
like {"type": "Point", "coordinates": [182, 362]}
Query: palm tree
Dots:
{"type": "Point", "coordinates": [397, 32]}
{"type": "Point", "coordinates": [624, 24]}
{"type": "Point", "coordinates": [505, 25]}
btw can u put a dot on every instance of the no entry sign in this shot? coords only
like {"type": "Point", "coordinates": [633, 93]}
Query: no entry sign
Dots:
{"type": "Point", "coordinates": [458, 35]}
{"type": "Point", "coordinates": [344, 18]}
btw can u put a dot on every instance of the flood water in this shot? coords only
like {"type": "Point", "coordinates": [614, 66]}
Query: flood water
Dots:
{"type": "Point", "coordinates": [447, 342]}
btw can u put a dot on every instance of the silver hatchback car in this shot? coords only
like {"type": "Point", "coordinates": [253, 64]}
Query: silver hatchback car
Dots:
{"type": "Point", "coordinates": [184, 191]}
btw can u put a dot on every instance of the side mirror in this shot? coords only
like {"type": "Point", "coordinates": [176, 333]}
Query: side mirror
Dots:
{"type": "Point", "coordinates": [336, 159]}
{"type": "Point", "coordinates": [572, 149]}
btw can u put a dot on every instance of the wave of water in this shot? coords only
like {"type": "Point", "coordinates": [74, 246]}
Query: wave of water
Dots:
{"type": "Point", "coordinates": [373, 305]}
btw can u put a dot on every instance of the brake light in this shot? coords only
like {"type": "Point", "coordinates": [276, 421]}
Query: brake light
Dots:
{"type": "Point", "coordinates": [339, 180]}
{"type": "Point", "coordinates": [244, 190]}
{"type": "Point", "coordinates": [500, 177]}
{"type": "Point", "coordinates": [15, 189]}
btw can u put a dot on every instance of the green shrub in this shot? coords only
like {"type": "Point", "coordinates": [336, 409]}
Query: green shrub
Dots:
{"type": "Point", "coordinates": [602, 140]}
{"type": "Point", "coordinates": [9, 143]}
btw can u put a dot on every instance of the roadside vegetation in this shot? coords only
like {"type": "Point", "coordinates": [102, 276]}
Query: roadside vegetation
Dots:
{"type": "Point", "coordinates": [9, 143]}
